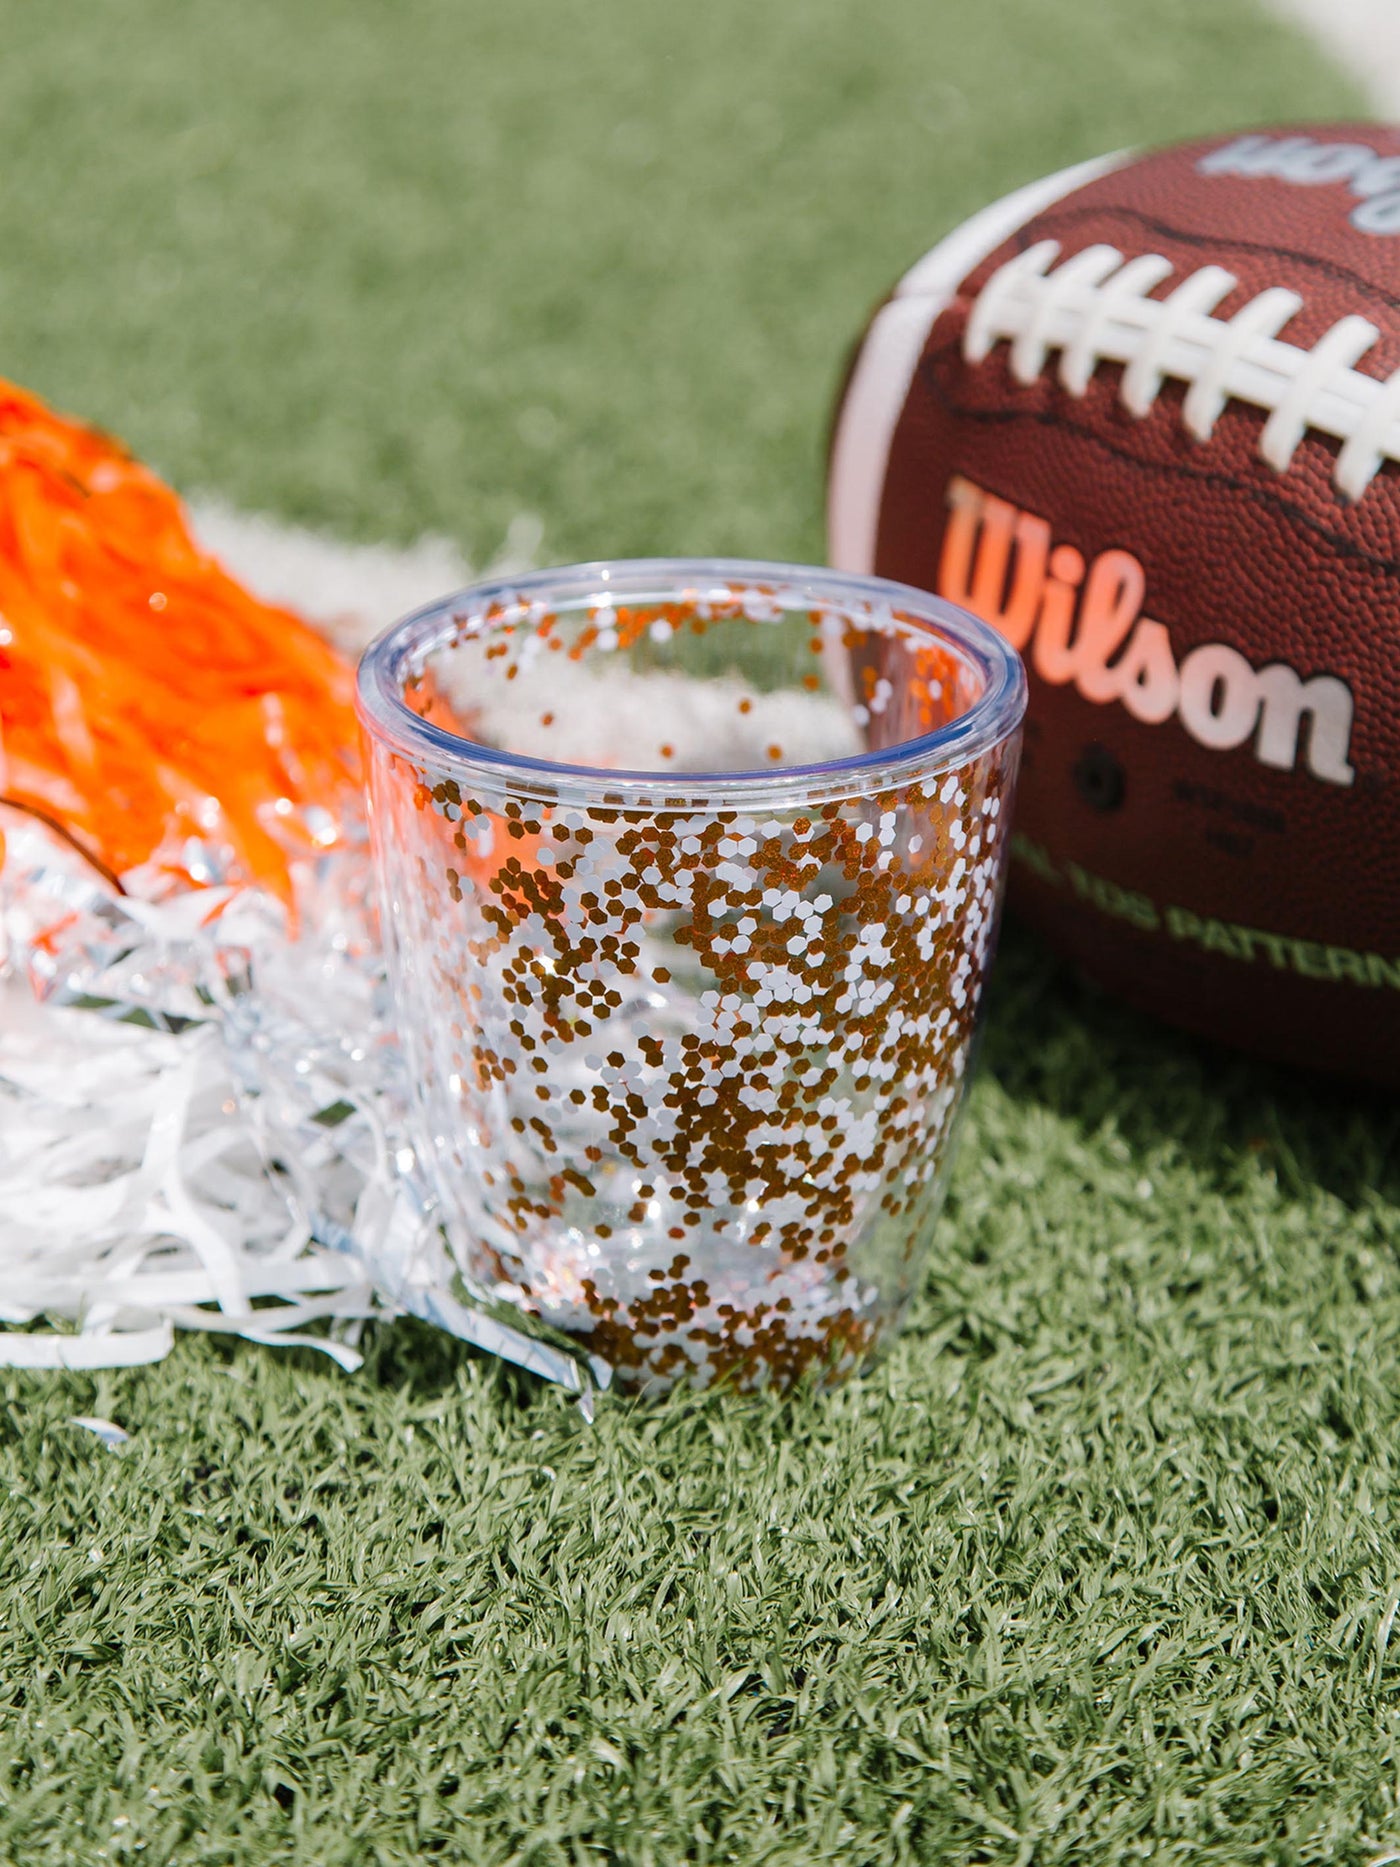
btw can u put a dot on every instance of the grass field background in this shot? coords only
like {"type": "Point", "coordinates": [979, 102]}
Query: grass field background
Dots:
{"type": "Point", "coordinates": [1101, 1563]}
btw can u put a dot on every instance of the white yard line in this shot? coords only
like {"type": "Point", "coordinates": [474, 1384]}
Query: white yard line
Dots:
{"type": "Point", "coordinates": [350, 591]}
{"type": "Point", "coordinates": [1363, 36]}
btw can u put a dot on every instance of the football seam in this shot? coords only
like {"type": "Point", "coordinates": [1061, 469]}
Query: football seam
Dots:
{"type": "Point", "coordinates": [1344, 545]}
{"type": "Point", "coordinates": [1095, 307]}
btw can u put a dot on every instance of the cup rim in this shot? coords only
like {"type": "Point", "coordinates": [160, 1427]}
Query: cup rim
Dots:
{"type": "Point", "coordinates": [991, 719]}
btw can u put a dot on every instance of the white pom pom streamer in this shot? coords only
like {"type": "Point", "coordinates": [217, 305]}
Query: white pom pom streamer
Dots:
{"type": "Point", "coordinates": [132, 1197]}
{"type": "Point", "coordinates": [200, 1128]}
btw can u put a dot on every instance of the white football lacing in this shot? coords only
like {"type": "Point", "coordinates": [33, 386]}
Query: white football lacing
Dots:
{"type": "Point", "coordinates": [1095, 309]}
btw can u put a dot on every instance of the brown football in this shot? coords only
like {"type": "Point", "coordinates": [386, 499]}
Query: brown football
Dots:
{"type": "Point", "coordinates": [1144, 416]}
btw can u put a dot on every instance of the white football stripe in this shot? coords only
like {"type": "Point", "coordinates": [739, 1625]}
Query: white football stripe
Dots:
{"type": "Point", "coordinates": [891, 351]}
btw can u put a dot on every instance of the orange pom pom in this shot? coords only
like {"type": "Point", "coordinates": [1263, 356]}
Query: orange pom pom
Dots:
{"type": "Point", "coordinates": [146, 698]}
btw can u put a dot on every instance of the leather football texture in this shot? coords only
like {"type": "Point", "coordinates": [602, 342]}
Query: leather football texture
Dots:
{"type": "Point", "coordinates": [1144, 416]}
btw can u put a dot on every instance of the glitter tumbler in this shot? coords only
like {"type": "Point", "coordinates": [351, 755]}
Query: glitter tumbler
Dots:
{"type": "Point", "coordinates": [690, 874]}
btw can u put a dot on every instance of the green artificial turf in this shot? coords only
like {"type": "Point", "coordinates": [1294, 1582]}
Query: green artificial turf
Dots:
{"type": "Point", "coordinates": [1097, 1566]}
{"type": "Point", "coordinates": [1100, 1563]}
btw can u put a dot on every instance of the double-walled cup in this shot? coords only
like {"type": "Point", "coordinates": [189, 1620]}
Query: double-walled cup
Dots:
{"type": "Point", "coordinates": [690, 875]}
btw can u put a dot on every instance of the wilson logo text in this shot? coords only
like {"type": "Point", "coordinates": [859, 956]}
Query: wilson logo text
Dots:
{"type": "Point", "coordinates": [1083, 623]}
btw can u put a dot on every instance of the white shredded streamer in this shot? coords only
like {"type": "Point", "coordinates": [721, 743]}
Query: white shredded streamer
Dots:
{"type": "Point", "coordinates": [202, 1127]}
{"type": "Point", "coordinates": [112, 1436]}
{"type": "Point", "coordinates": [132, 1194]}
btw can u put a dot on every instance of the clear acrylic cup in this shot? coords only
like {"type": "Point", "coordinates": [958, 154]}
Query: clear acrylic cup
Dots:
{"type": "Point", "coordinates": [690, 874]}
